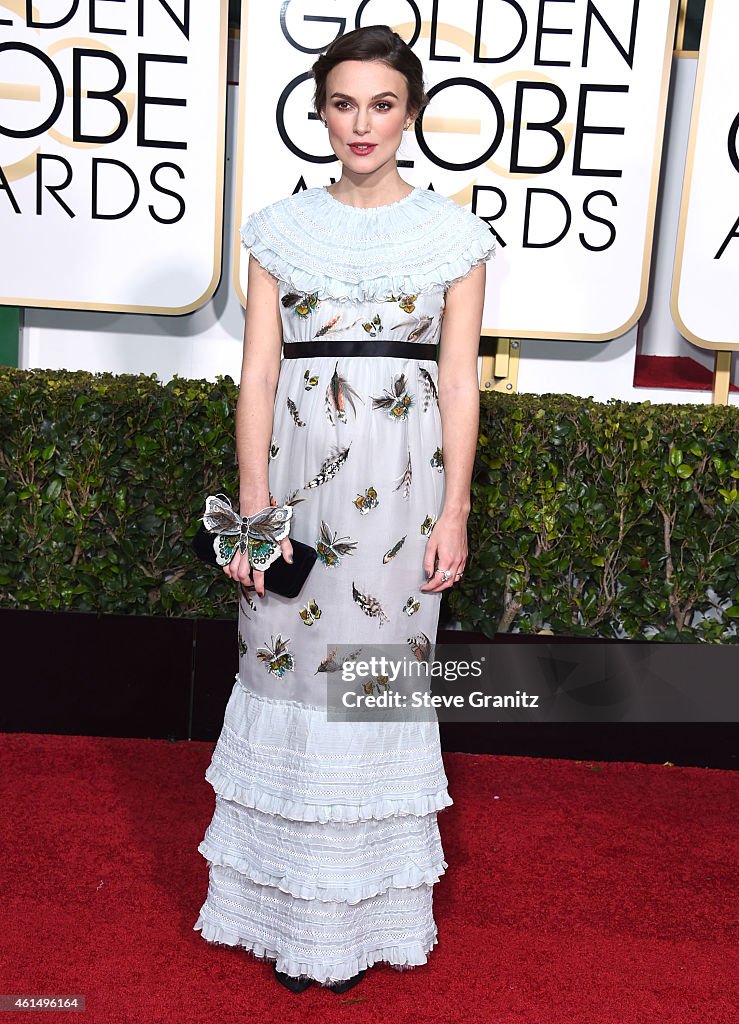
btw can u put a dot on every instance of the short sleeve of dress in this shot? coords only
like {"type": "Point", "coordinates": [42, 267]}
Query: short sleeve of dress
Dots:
{"type": "Point", "coordinates": [472, 243]}
{"type": "Point", "coordinates": [260, 236]}
{"type": "Point", "coordinates": [316, 244]}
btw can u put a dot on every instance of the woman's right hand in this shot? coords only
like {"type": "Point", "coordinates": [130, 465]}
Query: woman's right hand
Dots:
{"type": "Point", "coordinates": [239, 568]}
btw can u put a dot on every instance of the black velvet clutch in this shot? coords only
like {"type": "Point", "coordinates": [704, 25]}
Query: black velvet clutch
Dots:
{"type": "Point", "coordinates": [283, 578]}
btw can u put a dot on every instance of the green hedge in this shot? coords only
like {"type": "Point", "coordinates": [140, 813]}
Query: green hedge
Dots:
{"type": "Point", "coordinates": [589, 519]}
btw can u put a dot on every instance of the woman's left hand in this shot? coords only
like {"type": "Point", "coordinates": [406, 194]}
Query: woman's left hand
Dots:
{"type": "Point", "coordinates": [446, 549]}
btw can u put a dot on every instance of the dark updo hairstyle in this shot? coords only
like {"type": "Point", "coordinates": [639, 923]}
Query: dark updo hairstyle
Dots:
{"type": "Point", "coordinates": [373, 42]}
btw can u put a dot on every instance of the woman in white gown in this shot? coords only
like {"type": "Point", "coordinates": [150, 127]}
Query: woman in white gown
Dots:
{"type": "Point", "coordinates": [324, 846]}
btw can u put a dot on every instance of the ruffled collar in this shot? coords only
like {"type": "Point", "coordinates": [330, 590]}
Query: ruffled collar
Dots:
{"type": "Point", "coordinates": [369, 209]}
{"type": "Point", "coordinates": [316, 243]}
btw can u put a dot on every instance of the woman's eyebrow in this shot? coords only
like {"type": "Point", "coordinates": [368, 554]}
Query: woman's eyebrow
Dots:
{"type": "Point", "coordinates": [344, 96]}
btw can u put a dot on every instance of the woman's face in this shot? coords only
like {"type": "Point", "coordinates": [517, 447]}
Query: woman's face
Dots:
{"type": "Point", "coordinates": [366, 104]}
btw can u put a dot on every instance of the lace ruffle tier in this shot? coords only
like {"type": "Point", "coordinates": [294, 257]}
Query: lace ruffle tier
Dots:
{"type": "Point", "coordinates": [319, 245]}
{"type": "Point", "coordinates": [324, 846]}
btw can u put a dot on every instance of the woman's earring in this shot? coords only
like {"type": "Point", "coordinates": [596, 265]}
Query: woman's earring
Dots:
{"type": "Point", "coordinates": [325, 122]}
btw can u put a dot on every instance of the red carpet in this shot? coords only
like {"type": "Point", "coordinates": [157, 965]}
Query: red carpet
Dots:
{"type": "Point", "coordinates": [680, 372]}
{"type": "Point", "coordinates": [586, 893]}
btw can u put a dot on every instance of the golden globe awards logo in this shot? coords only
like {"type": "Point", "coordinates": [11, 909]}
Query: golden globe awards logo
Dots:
{"type": "Point", "coordinates": [526, 123]}
{"type": "Point", "coordinates": [87, 85]}
{"type": "Point", "coordinates": [112, 149]}
{"type": "Point", "coordinates": [545, 119]}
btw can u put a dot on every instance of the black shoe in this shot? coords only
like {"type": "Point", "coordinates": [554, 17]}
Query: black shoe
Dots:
{"type": "Point", "coordinates": [291, 983]}
{"type": "Point", "coordinates": [344, 986]}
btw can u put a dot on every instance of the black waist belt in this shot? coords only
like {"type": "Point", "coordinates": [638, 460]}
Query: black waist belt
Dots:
{"type": "Point", "coordinates": [362, 347]}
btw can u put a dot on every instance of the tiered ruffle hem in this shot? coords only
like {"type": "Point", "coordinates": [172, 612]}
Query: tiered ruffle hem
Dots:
{"type": "Point", "coordinates": [324, 846]}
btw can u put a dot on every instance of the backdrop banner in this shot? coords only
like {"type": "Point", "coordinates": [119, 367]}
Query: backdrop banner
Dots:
{"type": "Point", "coordinates": [704, 304]}
{"type": "Point", "coordinates": [546, 120]}
{"type": "Point", "coordinates": [111, 153]}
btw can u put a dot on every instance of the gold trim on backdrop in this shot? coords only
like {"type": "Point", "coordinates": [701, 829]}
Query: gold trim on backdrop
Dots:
{"type": "Point", "coordinates": [500, 371]}
{"type": "Point", "coordinates": [682, 18]}
{"type": "Point", "coordinates": [238, 250]}
{"type": "Point", "coordinates": [20, 91]}
{"type": "Point", "coordinates": [715, 346]}
{"type": "Point", "coordinates": [721, 377]}
{"type": "Point", "coordinates": [458, 125]}
{"type": "Point", "coordinates": [220, 155]}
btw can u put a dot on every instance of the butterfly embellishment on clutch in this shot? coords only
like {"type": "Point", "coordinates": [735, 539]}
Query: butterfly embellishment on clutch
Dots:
{"type": "Point", "coordinates": [258, 536]}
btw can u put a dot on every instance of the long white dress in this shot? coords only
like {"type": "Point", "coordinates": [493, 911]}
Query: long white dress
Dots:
{"type": "Point", "coordinates": [324, 846]}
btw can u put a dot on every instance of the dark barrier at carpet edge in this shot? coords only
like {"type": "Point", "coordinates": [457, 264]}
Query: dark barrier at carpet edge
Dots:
{"type": "Point", "coordinates": [532, 682]}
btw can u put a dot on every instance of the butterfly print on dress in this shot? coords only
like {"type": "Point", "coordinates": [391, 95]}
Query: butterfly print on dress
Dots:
{"type": "Point", "coordinates": [427, 525]}
{"type": "Point", "coordinates": [331, 548]}
{"type": "Point", "coordinates": [368, 500]}
{"type": "Point", "coordinates": [276, 656]}
{"type": "Point", "coordinates": [379, 684]}
{"type": "Point", "coordinates": [397, 400]}
{"type": "Point", "coordinates": [310, 613]}
{"type": "Point", "coordinates": [437, 460]}
{"type": "Point", "coordinates": [301, 303]}
{"type": "Point", "coordinates": [406, 302]}
{"type": "Point", "coordinates": [373, 327]}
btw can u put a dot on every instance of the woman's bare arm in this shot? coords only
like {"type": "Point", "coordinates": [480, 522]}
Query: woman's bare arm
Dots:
{"type": "Point", "coordinates": [459, 405]}
{"type": "Point", "coordinates": [260, 370]}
